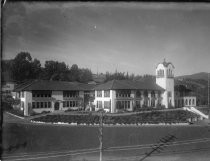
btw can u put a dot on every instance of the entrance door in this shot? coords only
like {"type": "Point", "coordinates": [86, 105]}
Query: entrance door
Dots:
{"type": "Point", "coordinates": [56, 106]}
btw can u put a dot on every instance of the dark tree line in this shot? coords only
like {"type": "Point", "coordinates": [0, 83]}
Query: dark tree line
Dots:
{"type": "Point", "coordinates": [122, 76]}
{"type": "Point", "coordinates": [23, 68]}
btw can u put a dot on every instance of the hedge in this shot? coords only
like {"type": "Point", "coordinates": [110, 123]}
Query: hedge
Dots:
{"type": "Point", "coordinates": [155, 117]}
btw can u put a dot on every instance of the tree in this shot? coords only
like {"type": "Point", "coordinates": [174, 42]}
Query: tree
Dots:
{"type": "Point", "coordinates": [54, 70]}
{"type": "Point", "coordinates": [21, 66]}
{"type": "Point", "coordinates": [85, 75]}
{"type": "Point", "coordinates": [74, 73]}
{"type": "Point", "coordinates": [24, 68]}
{"type": "Point", "coordinates": [36, 68]}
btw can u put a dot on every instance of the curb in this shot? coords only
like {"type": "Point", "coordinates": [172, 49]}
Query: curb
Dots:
{"type": "Point", "coordinates": [15, 115]}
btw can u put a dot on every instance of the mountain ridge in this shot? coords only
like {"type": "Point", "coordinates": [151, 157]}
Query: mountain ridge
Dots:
{"type": "Point", "coordinates": [200, 75]}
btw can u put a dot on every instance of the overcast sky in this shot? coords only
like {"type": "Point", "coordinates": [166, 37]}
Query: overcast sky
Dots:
{"type": "Point", "coordinates": [131, 37]}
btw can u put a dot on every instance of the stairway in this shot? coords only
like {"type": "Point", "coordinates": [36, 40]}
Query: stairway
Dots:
{"type": "Point", "coordinates": [194, 110]}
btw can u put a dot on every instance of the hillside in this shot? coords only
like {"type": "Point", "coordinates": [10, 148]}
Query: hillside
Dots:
{"type": "Point", "coordinates": [197, 83]}
{"type": "Point", "coordinates": [201, 75]}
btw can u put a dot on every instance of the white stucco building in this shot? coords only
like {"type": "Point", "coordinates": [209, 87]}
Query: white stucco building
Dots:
{"type": "Point", "coordinates": [43, 95]}
{"type": "Point", "coordinates": [120, 95]}
{"type": "Point", "coordinates": [113, 96]}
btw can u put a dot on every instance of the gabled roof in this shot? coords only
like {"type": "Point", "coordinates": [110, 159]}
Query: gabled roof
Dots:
{"type": "Point", "coordinates": [48, 85]}
{"type": "Point", "coordinates": [128, 84]}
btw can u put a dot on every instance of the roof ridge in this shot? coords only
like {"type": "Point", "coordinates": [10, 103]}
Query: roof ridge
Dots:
{"type": "Point", "coordinates": [30, 83]}
{"type": "Point", "coordinates": [112, 83]}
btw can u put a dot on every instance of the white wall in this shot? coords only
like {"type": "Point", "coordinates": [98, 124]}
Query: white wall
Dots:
{"type": "Point", "coordinates": [113, 97]}
{"type": "Point", "coordinates": [27, 99]}
{"type": "Point", "coordinates": [58, 96]}
{"type": "Point", "coordinates": [110, 98]}
{"type": "Point", "coordinates": [166, 83]}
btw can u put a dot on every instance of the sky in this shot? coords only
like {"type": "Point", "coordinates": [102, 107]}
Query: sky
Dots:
{"type": "Point", "coordinates": [108, 36]}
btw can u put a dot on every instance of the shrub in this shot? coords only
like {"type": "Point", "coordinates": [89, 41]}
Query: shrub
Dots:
{"type": "Point", "coordinates": [17, 112]}
{"type": "Point", "coordinates": [154, 117]}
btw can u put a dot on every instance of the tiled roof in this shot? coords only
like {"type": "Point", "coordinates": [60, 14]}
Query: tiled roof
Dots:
{"type": "Point", "coordinates": [62, 85]}
{"type": "Point", "coordinates": [53, 86]}
{"type": "Point", "coordinates": [165, 64]}
{"type": "Point", "coordinates": [127, 84]}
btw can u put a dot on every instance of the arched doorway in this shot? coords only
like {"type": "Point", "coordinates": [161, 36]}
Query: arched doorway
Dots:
{"type": "Point", "coordinates": [56, 107]}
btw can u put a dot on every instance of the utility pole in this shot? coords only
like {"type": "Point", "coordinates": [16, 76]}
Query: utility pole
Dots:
{"type": "Point", "coordinates": [208, 96]}
{"type": "Point", "coordinates": [101, 135]}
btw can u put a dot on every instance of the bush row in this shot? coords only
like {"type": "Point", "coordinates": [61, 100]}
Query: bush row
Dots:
{"type": "Point", "coordinates": [17, 112]}
{"type": "Point", "coordinates": [142, 118]}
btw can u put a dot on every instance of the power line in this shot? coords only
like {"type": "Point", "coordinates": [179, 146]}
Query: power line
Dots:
{"type": "Point", "coordinates": [101, 135]}
{"type": "Point", "coordinates": [164, 153]}
{"type": "Point", "coordinates": [208, 95]}
{"type": "Point", "coordinates": [164, 141]}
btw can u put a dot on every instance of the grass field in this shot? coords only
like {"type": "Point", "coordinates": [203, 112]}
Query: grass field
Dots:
{"type": "Point", "coordinates": [57, 140]}
{"type": "Point", "coordinates": [23, 140]}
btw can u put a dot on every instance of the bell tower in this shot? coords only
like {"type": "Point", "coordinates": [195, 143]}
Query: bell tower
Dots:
{"type": "Point", "coordinates": [165, 79]}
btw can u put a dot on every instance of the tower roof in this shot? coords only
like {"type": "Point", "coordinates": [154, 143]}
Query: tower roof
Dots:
{"type": "Point", "coordinates": [165, 64]}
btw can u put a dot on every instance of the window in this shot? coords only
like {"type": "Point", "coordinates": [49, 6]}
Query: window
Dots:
{"type": "Point", "coordinates": [99, 104]}
{"type": "Point", "coordinates": [64, 103]}
{"type": "Point", "coordinates": [106, 93]}
{"type": "Point", "coordinates": [193, 102]}
{"type": "Point", "coordinates": [123, 93]}
{"type": "Point", "coordinates": [186, 102]}
{"type": "Point", "coordinates": [107, 104]}
{"type": "Point", "coordinates": [153, 94]}
{"type": "Point", "coordinates": [146, 102]}
{"type": "Point", "coordinates": [128, 104]}
{"type": "Point", "coordinates": [70, 93]}
{"type": "Point", "coordinates": [138, 104]}
{"type": "Point", "coordinates": [67, 103]}
{"type": "Point", "coordinates": [152, 103]}
{"type": "Point", "coordinates": [189, 101]}
{"type": "Point", "coordinates": [41, 94]}
{"type": "Point", "coordinates": [22, 94]}
{"type": "Point", "coordinates": [33, 105]}
{"type": "Point", "coordinates": [42, 105]}
{"type": "Point", "coordinates": [99, 93]}
{"type": "Point", "coordinates": [160, 73]}
{"type": "Point", "coordinates": [49, 104]}
{"type": "Point", "coordinates": [123, 104]}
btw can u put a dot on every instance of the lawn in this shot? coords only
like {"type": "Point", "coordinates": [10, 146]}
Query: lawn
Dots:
{"type": "Point", "coordinates": [28, 138]}
{"type": "Point", "coordinates": [23, 141]}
